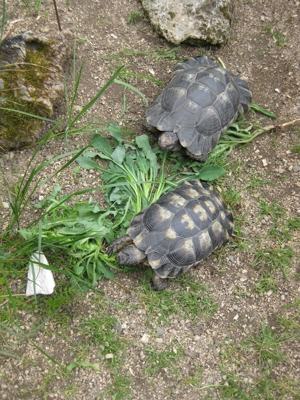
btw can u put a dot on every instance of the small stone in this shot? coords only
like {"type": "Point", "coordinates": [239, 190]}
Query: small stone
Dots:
{"type": "Point", "coordinates": [265, 163]}
{"type": "Point", "coordinates": [277, 90]}
{"type": "Point", "coordinates": [145, 338]}
{"type": "Point", "coordinates": [216, 352]}
{"type": "Point", "coordinates": [158, 340]}
{"type": "Point", "coordinates": [188, 353]}
{"type": "Point", "coordinates": [296, 168]}
{"type": "Point", "coordinates": [236, 317]}
{"type": "Point", "coordinates": [160, 331]}
{"type": "Point", "coordinates": [231, 259]}
{"type": "Point", "coordinates": [109, 356]}
{"type": "Point", "coordinates": [117, 327]}
{"type": "Point", "coordinates": [5, 204]}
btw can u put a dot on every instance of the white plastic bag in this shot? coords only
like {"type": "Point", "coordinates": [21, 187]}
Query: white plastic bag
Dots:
{"type": "Point", "coordinates": [39, 279]}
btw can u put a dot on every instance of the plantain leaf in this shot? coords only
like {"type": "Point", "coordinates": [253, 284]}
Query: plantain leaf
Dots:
{"type": "Point", "coordinates": [142, 164]}
{"type": "Point", "coordinates": [101, 144]}
{"type": "Point", "coordinates": [210, 172]}
{"type": "Point", "coordinates": [118, 154]}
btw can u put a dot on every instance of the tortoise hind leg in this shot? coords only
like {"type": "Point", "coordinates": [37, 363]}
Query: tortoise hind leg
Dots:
{"type": "Point", "coordinates": [159, 284]}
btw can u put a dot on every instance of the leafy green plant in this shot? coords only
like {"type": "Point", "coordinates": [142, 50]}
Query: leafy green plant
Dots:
{"type": "Point", "coordinates": [78, 231]}
{"type": "Point", "coordinates": [134, 177]}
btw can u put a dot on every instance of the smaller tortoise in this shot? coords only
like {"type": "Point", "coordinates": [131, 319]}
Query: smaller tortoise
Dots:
{"type": "Point", "coordinates": [201, 101]}
{"type": "Point", "coordinates": [176, 232]}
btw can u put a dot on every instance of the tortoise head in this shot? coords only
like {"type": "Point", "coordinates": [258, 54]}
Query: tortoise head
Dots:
{"type": "Point", "coordinates": [168, 141]}
{"type": "Point", "coordinates": [131, 255]}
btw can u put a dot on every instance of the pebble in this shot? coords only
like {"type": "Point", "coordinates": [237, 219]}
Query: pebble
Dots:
{"type": "Point", "coordinates": [231, 259]}
{"type": "Point", "coordinates": [188, 353]}
{"type": "Point", "coordinates": [118, 328]}
{"type": "Point", "coordinates": [160, 331]}
{"type": "Point", "coordinates": [5, 204]}
{"type": "Point", "coordinates": [109, 356]}
{"type": "Point", "coordinates": [296, 168]}
{"type": "Point", "coordinates": [145, 338]}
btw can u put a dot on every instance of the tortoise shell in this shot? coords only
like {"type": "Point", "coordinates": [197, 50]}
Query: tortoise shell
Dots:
{"type": "Point", "coordinates": [183, 227]}
{"type": "Point", "coordinates": [201, 101]}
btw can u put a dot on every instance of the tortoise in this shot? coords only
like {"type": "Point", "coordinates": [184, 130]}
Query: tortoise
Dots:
{"type": "Point", "coordinates": [201, 101]}
{"type": "Point", "coordinates": [173, 234]}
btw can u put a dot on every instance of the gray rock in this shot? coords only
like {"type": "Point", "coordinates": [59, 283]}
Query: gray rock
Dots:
{"type": "Point", "coordinates": [191, 21]}
{"type": "Point", "coordinates": [160, 331]}
{"type": "Point", "coordinates": [31, 82]}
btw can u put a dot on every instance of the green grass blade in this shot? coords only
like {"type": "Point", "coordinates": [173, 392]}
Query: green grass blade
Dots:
{"type": "Point", "coordinates": [134, 89]}
{"type": "Point", "coordinates": [3, 20]}
{"type": "Point", "coordinates": [149, 78]}
{"type": "Point", "coordinates": [101, 91]}
{"type": "Point", "coordinates": [268, 113]}
{"type": "Point", "coordinates": [28, 114]}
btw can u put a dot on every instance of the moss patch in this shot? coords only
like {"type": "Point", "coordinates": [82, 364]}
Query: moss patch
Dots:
{"type": "Point", "coordinates": [25, 91]}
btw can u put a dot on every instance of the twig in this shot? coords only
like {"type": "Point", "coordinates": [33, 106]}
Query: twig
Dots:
{"type": "Point", "coordinates": [10, 31]}
{"type": "Point", "coordinates": [57, 16]}
{"type": "Point", "coordinates": [270, 127]}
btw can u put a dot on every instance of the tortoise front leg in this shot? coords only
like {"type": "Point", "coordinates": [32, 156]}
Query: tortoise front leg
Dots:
{"type": "Point", "coordinates": [119, 244]}
{"type": "Point", "coordinates": [159, 284]}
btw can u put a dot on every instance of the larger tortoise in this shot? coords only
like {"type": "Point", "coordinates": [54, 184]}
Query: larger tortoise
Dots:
{"type": "Point", "coordinates": [176, 232]}
{"type": "Point", "coordinates": [201, 101]}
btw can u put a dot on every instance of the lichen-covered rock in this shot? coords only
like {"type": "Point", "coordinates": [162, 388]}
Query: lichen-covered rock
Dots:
{"type": "Point", "coordinates": [31, 82]}
{"type": "Point", "coordinates": [191, 21]}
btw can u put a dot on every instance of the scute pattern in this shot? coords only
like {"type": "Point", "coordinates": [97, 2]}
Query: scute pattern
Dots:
{"type": "Point", "coordinates": [199, 104]}
{"type": "Point", "coordinates": [183, 227]}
